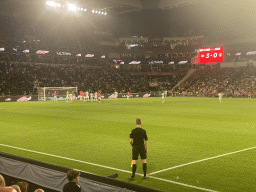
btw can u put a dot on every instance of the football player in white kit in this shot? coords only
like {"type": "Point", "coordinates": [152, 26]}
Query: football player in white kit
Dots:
{"type": "Point", "coordinates": [81, 95]}
{"type": "Point", "coordinates": [116, 94]}
{"type": "Point", "coordinates": [87, 96]}
{"type": "Point", "coordinates": [84, 96]}
{"type": "Point", "coordinates": [95, 96]}
{"type": "Point", "coordinates": [71, 97]}
{"type": "Point", "coordinates": [91, 97]}
{"type": "Point", "coordinates": [220, 96]}
{"type": "Point", "coordinates": [163, 97]}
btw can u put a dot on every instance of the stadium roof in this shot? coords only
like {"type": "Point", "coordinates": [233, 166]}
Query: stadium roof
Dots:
{"type": "Point", "coordinates": [153, 17]}
{"type": "Point", "coordinates": [123, 6]}
{"type": "Point", "coordinates": [113, 6]}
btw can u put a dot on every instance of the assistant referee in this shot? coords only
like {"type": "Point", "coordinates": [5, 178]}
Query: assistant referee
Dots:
{"type": "Point", "coordinates": [137, 138]}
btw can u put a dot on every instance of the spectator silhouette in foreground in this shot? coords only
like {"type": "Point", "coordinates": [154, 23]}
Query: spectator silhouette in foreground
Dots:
{"type": "Point", "coordinates": [23, 186]}
{"type": "Point", "coordinates": [3, 188]}
{"type": "Point", "coordinates": [72, 186]}
{"type": "Point", "coordinates": [16, 187]}
{"type": "Point", "coordinates": [2, 181]}
{"type": "Point", "coordinates": [39, 190]}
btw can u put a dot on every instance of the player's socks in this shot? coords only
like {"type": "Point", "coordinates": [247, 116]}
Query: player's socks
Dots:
{"type": "Point", "coordinates": [145, 169]}
{"type": "Point", "coordinates": [134, 167]}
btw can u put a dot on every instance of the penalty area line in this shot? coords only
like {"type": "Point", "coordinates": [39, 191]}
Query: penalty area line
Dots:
{"type": "Point", "coordinates": [201, 160]}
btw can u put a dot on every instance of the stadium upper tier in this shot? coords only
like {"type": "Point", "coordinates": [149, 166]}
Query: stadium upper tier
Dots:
{"type": "Point", "coordinates": [144, 50]}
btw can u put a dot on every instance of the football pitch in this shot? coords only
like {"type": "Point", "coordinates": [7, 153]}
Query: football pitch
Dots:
{"type": "Point", "coordinates": [194, 144]}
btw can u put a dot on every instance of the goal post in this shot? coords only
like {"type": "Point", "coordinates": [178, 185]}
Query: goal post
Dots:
{"type": "Point", "coordinates": [46, 93]}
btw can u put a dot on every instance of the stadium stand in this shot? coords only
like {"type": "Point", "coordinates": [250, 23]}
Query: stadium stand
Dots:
{"type": "Point", "coordinates": [22, 78]}
{"type": "Point", "coordinates": [233, 82]}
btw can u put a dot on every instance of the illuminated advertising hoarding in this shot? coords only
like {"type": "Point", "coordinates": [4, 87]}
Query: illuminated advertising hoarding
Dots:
{"type": "Point", "coordinates": [135, 62]}
{"type": "Point", "coordinates": [63, 53]}
{"type": "Point", "coordinates": [89, 55]}
{"type": "Point", "coordinates": [155, 62]}
{"type": "Point", "coordinates": [182, 62]}
{"type": "Point", "coordinates": [251, 53]}
{"type": "Point", "coordinates": [42, 52]}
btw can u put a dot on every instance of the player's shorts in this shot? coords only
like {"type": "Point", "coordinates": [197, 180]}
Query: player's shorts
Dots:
{"type": "Point", "coordinates": [136, 151]}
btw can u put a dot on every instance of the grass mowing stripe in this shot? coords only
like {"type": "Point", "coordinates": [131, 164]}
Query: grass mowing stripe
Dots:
{"type": "Point", "coordinates": [174, 182]}
{"type": "Point", "coordinates": [201, 160]}
{"type": "Point", "coordinates": [69, 159]}
{"type": "Point", "coordinates": [186, 185]}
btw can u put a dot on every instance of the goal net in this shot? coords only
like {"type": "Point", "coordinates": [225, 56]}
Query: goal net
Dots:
{"type": "Point", "coordinates": [46, 93]}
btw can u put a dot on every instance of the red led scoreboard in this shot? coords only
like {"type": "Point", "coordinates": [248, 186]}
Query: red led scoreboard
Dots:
{"type": "Point", "coordinates": [208, 55]}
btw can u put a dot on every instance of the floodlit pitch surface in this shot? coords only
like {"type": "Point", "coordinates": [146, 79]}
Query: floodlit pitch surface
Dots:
{"type": "Point", "coordinates": [195, 144]}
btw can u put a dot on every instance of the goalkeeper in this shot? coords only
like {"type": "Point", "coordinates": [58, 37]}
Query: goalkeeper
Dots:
{"type": "Point", "coordinates": [137, 138]}
{"type": "Point", "coordinates": [67, 98]}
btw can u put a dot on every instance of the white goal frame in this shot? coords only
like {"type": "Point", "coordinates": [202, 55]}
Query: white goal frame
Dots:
{"type": "Point", "coordinates": [42, 94]}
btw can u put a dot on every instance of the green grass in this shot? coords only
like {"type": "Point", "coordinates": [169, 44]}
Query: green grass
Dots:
{"type": "Point", "coordinates": [180, 131]}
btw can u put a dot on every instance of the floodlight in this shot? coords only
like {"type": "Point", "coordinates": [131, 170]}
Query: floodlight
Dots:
{"type": "Point", "coordinates": [85, 9]}
{"type": "Point", "coordinates": [51, 3]}
{"type": "Point", "coordinates": [92, 11]}
{"type": "Point", "coordinates": [105, 13]}
{"type": "Point", "coordinates": [82, 9]}
{"type": "Point", "coordinates": [78, 8]}
{"type": "Point", "coordinates": [96, 11]}
{"type": "Point", "coordinates": [102, 13]}
{"type": "Point", "coordinates": [58, 5]}
{"type": "Point", "coordinates": [99, 12]}
{"type": "Point", "coordinates": [72, 7]}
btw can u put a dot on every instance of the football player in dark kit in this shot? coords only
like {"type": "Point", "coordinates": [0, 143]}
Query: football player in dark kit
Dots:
{"type": "Point", "coordinates": [137, 138]}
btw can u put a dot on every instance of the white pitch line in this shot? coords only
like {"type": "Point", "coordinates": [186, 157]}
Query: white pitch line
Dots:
{"type": "Point", "coordinates": [70, 159]}
{"type": "Point", "coordinates": [186, 185]}
{"type": "Point", "coordinates": [191, 186]}
{"type": "Point", "coordinates": [201, 160]}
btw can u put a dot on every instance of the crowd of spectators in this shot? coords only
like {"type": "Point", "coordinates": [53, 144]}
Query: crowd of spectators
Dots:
{"type": "Point", "coordinates": [24, 78]}
{"type": "Point", "coordinates": [232, 82]}
{"type": "Point", "coordinates": [23, 186]}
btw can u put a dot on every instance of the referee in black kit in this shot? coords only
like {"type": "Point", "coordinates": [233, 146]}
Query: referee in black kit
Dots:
{"type": "Point", "coordinates": [137, 138]}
